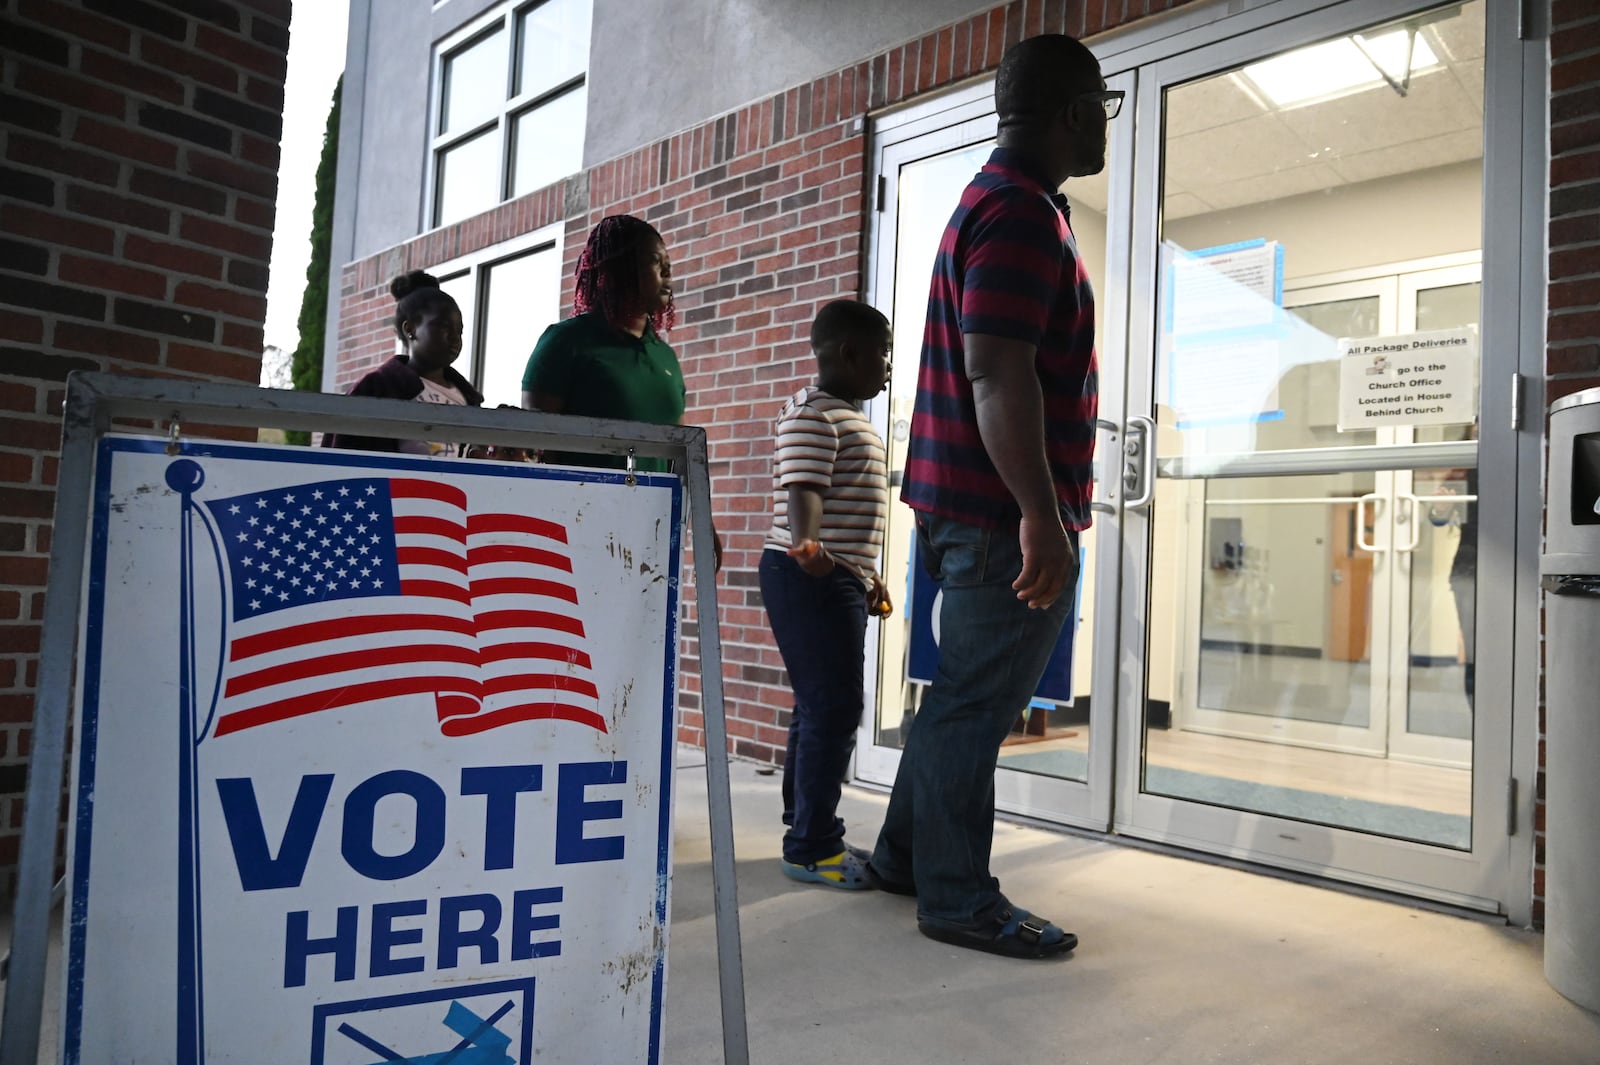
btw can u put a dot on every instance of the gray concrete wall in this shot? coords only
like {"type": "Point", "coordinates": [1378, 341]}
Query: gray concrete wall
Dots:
{"type": "Point", "coordinates": [383, 142]}
{"type": "Point", "coordinates": [383, 145]}
{"type": "Point", "coordinates": [657, 66]}
{"type": "Point", "coordinates": [394, 134]}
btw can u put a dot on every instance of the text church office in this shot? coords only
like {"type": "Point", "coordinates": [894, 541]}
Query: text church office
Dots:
{"type": "Point", "coordinates": [1338, 250]}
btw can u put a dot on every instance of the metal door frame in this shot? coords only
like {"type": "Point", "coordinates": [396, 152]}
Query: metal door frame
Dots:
{"type": "Point", "coordinates": [1495, 874]}
{"type": "Point", "coordinates": [924, 130]}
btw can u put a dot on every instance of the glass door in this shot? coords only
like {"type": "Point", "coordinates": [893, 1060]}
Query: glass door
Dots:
{"type": "Point", "coordinates": [1254, 662]}
{"type": "Point", "coordinates": [1054, 764]}
{"type": "Point", "coordinates": [1297, 648]}
{"type": "Point", "coordinates": [1402, 582]}
{"type": "Point", "coordinates": [1435, 599]}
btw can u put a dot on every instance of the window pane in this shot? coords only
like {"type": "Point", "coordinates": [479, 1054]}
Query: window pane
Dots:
{"type": "Point", "coordinates": [549, 141]}
{"type": "Point", "coordinates": [1265, 177]}
{"type": "Point", "coordinates": [1447, 307]}
{"type": "Point", "coordinates": [469, 178]}
{"type": "Point", "coordinates": [1264, 534]}
{"type": "Point", "coordinates": [554, 41]}
{"type": "Point", "coordinates": [1443, 608]}
{"type": "Point", "coordinates": [459, 288]}
{"type": "Point", "coordinates": [524, 296]}
{"type": "Point", "coordinates": [474, 87]}
{"type": "Point", "coordinates": [1341, 318]}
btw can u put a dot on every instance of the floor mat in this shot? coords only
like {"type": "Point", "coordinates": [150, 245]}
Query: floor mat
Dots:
{"type": "Point", "coordinates": [1363, 815]}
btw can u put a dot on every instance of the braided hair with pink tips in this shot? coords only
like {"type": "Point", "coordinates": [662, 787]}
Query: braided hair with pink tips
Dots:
{"type": "Point", "coordinates": [609, 273]}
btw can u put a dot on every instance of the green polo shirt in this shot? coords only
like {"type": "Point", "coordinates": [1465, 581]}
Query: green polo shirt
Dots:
{"type": "Point", "coordinates": [599, 371]}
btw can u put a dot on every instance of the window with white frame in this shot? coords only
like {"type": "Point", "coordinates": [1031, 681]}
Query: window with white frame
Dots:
{"type": "Point", "coordinates": [509, 295]}
{"type": "Point", "coordinates": [509, 105]}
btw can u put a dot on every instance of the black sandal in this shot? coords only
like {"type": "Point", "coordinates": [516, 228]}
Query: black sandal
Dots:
{"type": "Point", "coordinates": [1011, 933]}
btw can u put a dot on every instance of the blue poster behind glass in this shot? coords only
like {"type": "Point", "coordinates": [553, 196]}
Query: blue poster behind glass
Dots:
{"type": "Point", "coordinates": [1056, 684]}
{"type": "Point", "coordinates": [1224, 332]}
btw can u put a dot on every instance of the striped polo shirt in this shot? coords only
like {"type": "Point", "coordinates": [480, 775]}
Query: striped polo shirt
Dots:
{"type": "Point", "coordinates": [1008, 267]}
{"type": "Point", "coordinates": [827, 443]}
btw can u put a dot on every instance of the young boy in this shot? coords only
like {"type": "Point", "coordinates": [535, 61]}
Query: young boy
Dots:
{"type": "Point", "coordinates": [819, 579]}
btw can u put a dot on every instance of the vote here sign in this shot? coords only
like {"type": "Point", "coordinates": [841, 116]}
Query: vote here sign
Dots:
{"type": "Point", "coordinates": [373, 761]}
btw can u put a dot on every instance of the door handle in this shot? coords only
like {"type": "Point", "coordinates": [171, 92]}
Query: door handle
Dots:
{"type": "Point", "coordinates": [1409, 516]}
{"type": "Point", "coordinates": [1361, 522]}
{"type": "Point", "coordinates": [1139, 475]}
{"type": "Point", "coordinates": [1104, 461]}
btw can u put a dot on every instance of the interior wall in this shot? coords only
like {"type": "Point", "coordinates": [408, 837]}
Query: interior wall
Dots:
{"type": "Point", "coordinates": [1412, 216]}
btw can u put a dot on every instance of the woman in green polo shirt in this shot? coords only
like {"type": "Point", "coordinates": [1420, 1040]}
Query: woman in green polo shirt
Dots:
{"type": "Point", "coordinates": [608, 360]}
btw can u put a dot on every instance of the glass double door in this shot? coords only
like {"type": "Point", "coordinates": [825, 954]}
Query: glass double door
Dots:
{"type": "Point", "coordinates": [1275, 651]}
{"type": "Point", "coordinates": [1335, 610]}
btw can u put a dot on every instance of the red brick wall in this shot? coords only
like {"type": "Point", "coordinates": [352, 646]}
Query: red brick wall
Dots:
{"type": "Point", "coordinates": [138, 174]}
{"type": "Point", "coordinates": [1574, 319]}
{"type": "Point", "coordinates": [1572, 356]}
{"type": "Point", "coordinates": [764, 211]}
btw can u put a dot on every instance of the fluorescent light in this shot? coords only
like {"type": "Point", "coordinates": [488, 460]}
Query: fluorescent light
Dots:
{"type": "Point", "coordinates": [1338, 67]}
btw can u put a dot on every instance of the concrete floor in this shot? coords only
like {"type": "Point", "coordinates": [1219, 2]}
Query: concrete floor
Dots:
{"type": "Point", "coordinates": [1181, 963]}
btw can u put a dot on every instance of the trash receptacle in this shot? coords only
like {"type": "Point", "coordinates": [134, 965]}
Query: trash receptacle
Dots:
{"type": "Point", "coordinates": [1570, 574]}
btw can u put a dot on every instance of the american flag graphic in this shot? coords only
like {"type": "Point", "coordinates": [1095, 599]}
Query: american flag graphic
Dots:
{"type": "Point", "coordinates": [349, 591]}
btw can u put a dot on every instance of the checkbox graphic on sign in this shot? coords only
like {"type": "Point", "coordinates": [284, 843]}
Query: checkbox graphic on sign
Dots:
{"type": "Point", "coordinates": [479, 1024]}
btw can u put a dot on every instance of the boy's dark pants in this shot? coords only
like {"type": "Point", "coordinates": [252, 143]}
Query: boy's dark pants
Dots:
{"type": "Point", "coordinates": [821, 625]}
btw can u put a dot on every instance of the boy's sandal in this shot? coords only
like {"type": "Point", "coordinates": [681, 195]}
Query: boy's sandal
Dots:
{"type": "Point", "coordinates": [1011, 933]}
{"type": "Point", "coordinates": [844, 870]}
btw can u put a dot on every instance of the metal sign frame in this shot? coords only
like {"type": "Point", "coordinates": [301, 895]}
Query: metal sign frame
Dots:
{"type": "Point", "coordinates": [95, 400]}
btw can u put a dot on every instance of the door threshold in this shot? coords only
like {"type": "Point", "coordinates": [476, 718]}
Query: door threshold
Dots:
{"type": "Point", "coordinates": [1257, 868]}
{"type": "Point", "coordinates": [1295, 876]}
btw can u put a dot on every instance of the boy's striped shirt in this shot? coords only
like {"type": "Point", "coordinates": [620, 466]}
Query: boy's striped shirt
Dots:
{"type": "Point", "coordinates": [827, 443]}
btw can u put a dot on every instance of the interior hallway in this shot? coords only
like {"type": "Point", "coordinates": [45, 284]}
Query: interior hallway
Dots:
{"type": "Point", "coordinates": [1181, 963]}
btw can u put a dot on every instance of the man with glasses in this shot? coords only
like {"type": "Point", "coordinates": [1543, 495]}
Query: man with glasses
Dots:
{"type": "Point", "coordinates": [999, 471]}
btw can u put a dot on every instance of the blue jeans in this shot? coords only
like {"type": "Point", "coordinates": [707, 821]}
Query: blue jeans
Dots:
{"type": "Point", "coordinates": [939, 828]}
{"type": "Point", "coordinates": [820, 624]}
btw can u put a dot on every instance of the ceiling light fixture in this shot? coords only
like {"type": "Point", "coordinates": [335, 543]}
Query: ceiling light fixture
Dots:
{"type": "Point", "coordinates": [1343, 66]}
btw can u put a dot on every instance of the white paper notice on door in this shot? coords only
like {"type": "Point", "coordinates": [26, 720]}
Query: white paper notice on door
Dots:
{"type": "Point", "coordinates": [1410, 380]}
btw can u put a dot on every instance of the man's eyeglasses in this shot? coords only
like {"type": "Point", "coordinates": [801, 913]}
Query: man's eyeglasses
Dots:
{"type": "Point", "coordinates": [1110, 99]}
